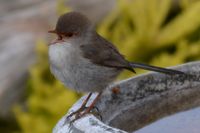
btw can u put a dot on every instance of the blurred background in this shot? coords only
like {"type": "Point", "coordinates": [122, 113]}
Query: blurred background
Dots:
{"type": "Point", "coordinates": [158, 32]}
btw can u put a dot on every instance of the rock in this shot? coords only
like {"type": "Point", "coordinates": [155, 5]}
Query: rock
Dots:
{"type": "Point", "coordinates": [140, 101]}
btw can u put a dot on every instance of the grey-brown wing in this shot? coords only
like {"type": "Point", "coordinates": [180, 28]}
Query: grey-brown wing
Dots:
{"type": "Point", "coordinates": [101, 52]}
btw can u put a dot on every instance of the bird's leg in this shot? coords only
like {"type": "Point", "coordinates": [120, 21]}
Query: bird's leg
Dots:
{"type": "Point", "coordinates": [77, 112]}
{"type": "Point", "coordinates": [95, 111]}
{"type": "Point", "coordinates": [88, 110]}
{"type": "Point", "coordinates": [92, 104]}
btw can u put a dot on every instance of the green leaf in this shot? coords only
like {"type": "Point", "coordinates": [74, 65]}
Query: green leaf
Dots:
{"type": "Point", "coordinates": [185, 23]}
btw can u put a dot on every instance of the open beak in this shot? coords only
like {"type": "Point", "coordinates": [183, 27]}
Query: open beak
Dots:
{"type": "Point", "coordinates": [52, 31]}
{"type": "Point", "coordinates": [56, 40]}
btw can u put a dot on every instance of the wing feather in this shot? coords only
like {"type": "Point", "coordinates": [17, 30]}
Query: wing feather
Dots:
{"type": "Point", "coordinates": [100, 51]}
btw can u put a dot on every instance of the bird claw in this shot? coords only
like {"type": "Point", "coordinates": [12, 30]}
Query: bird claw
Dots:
{"type": "Point", "coordinates": [82, 112]}
{"type": "Point", "coordinates": [95, 111]}
{"type": "Point", "coordinates": [77, 112]}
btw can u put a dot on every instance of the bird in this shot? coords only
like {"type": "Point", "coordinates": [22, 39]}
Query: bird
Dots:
{"type": "Point", "coordinates": [85, 61]}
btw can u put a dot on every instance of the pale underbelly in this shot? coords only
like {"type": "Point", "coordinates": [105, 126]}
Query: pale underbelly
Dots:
{"type": "Point", "coordinates": [77, 72]}
{"type": "Point", "coordinates": [86, 77]}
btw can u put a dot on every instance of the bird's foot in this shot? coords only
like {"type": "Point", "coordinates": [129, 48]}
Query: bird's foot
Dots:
{"type": "Point", "coordinates": [87, 110]}
{"type": "Point", "coordinates": [77, 112]}
{"type": "Point", "coordinates": [83, 110]}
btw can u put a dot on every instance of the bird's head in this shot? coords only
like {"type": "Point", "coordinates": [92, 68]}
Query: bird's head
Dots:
{"type": "Point", "coordinates": [70, 27]}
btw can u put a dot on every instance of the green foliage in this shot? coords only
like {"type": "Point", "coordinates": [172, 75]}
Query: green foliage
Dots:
{"type": "Point", "coordinates": [47, 101]}
{"type": "Point", "coordinates": [144, 31]}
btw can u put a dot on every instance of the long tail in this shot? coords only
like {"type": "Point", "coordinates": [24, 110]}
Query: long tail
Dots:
{"type": "Point", "coordinates": [155, 68]}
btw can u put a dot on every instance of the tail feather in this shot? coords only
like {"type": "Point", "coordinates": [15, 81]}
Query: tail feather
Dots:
{"type": "Point", "coordinates": [155, 68]}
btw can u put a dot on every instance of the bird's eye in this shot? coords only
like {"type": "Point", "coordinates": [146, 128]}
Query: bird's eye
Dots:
{"type": "Point", "coordinates": [69, 35]}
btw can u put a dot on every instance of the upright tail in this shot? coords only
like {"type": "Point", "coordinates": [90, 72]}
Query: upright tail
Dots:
{"type": "Point", "coordinates": [155, 68]}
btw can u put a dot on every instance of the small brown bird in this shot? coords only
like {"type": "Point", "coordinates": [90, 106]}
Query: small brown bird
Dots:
{"type": "Point", "coordinates": [85, 61]}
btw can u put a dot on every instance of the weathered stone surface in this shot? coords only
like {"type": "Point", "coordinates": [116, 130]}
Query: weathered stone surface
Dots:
{"type": "Point", "coordinates": [141, 100]}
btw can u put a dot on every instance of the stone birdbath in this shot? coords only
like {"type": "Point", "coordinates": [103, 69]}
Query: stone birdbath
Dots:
{"type": "Point", "coordinates": [139, 101]}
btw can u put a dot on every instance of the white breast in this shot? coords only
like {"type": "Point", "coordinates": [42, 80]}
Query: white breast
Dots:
{"type": "Point", "coordinates": [61, 58]}
{"type": "Point", "coordinates": [76, 72]}
{"type": "Point", "coordinates": [59, 54]}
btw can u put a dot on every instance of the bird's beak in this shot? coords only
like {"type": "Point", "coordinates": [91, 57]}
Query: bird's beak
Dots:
{"type": "Point", "coordinates": [52, 31]}
{"type": "Point", "coordinates": [56, 40]}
